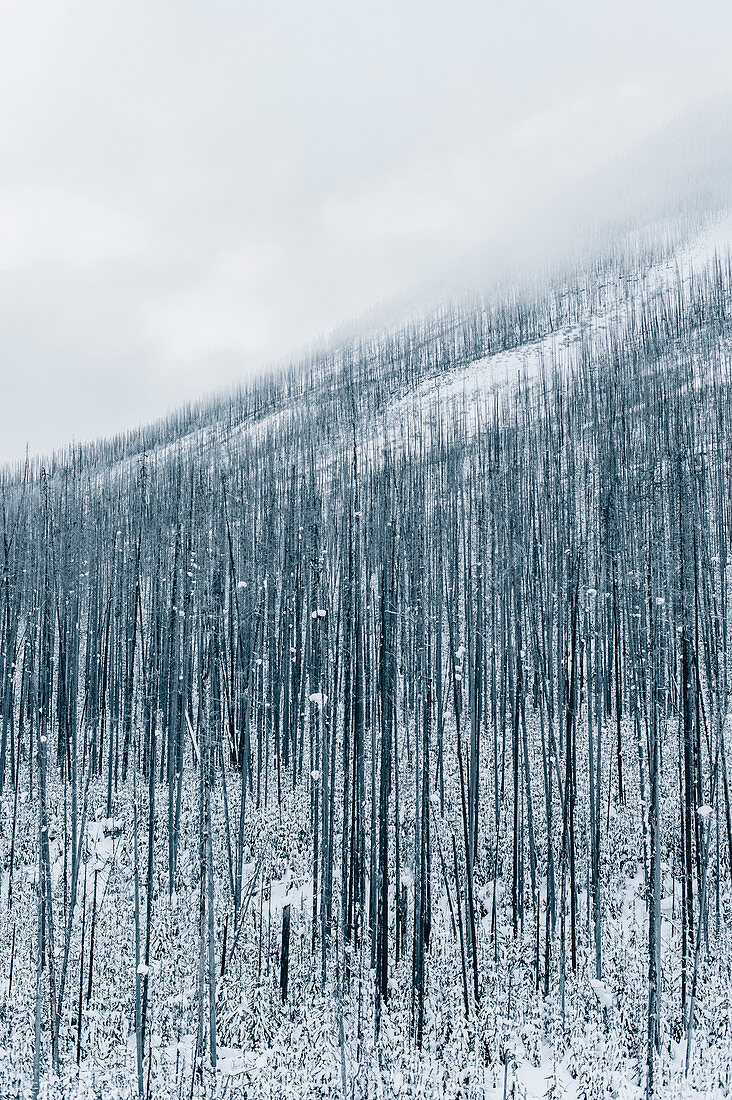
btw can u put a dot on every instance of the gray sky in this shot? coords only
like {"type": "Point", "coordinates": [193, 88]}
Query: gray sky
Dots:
{"type": "Point", "coordinates": [191, 189]}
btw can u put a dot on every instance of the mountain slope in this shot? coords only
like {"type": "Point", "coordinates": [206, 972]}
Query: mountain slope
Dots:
{"type": "Point", "coordinates": [365, 732]}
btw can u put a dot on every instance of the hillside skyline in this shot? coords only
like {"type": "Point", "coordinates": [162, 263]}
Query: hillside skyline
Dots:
{"type": "Point", "coordinates": [192, 193]}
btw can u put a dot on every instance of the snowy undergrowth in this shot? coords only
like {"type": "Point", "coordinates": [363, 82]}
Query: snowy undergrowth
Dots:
{"type": "Point", "coordinates": [322, 1041]}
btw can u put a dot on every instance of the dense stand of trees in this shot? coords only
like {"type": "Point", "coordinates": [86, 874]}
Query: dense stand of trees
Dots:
{"type": "Point", "coordinates": [471, 654]}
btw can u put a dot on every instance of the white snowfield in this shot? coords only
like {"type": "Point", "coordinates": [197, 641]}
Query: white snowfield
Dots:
{"type": "Point", "coordinates": [623, 295]}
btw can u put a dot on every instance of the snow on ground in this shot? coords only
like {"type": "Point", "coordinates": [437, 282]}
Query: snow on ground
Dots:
{"type": "Point", "coordinates": [622, 295]}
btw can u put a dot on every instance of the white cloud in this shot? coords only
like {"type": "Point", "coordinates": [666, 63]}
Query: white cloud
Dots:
{"type": "Point", "coordinates": [221, 312]}
{"type": "Point", "coordinates": [392, 208]}
{"type": "Point", "coordinates": [49, 225]}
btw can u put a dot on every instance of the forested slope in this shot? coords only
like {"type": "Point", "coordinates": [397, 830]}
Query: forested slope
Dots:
{"type": "Point", "coordinates": [365, 732]}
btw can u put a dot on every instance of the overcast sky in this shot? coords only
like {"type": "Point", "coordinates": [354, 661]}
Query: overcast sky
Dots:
{"type": "Point", "coordinates": [190, 190]}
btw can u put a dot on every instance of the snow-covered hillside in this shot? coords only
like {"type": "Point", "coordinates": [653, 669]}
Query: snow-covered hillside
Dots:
{"type": "Point", "coordinates": [365, 733]}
